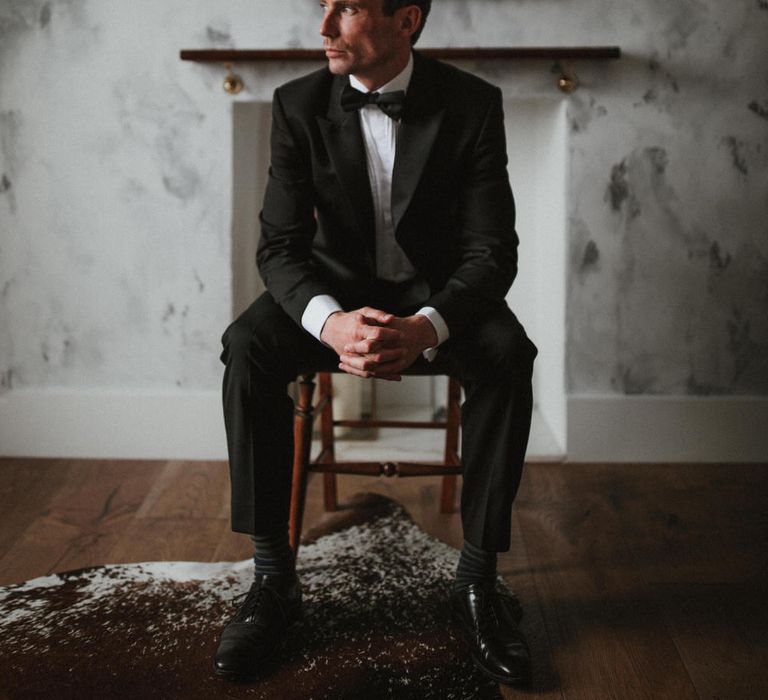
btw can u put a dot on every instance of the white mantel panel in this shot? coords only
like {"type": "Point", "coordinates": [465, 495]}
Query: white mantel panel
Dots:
{"type": "Point", "coordinates": [538, 163]}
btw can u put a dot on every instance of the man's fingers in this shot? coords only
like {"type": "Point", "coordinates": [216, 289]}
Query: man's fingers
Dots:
{"type": "Point", "coordinates": [386, 335]}
{"type": "Point", "coordinates": [364, 367]}
{"type": "Point", "coordinates": [377, 335]}
{"type": "Point", "coordinates": [365, 363]}
{"type": "Point", "coordinates": [376, 345]}
{"type": "Point", "coordinates": [357, 361]}
{"type": "Point", "coordinates": [349, 369]}
{"type": "Point", "coordinates": [376, 315]}
{"type": "Point", "coordinates": [381, 336]}
{"type": "Point", "coordinates": [372, 352]}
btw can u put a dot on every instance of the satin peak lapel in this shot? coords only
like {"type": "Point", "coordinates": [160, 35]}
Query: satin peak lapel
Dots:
{"type": "Point", "coordinates": [422, 117]}
{"type": "Point", "coordinates": [343, 140]}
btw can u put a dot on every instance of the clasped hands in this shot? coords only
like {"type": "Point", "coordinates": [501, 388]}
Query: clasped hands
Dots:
{"type": "Point", "coordinates": [373, 343]}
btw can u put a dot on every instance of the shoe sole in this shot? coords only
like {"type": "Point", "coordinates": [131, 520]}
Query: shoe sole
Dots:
{"type": "Point", "coordinates": [237, 677]}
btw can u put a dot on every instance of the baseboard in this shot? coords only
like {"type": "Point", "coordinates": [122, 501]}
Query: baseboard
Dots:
{"type": "Point", "coordinates": [123, 424]}
{"type": "Point", "coordinates": [143, 425]}
{"type": "Point", "coordinates": [667, 429]}
{"type": "Point", "coordinates": [116, 424]}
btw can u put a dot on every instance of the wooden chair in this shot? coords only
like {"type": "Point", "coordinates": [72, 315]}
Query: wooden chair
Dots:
{"type": "Point", "coordinates": [326, 462]}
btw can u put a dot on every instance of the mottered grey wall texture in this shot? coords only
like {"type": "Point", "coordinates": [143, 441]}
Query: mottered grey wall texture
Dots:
{"type": "Point", "coordinates": [115, 182]}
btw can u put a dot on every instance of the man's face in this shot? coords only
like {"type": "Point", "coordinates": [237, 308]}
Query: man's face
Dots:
{"type": "Point", "coordinates": [359, 39]}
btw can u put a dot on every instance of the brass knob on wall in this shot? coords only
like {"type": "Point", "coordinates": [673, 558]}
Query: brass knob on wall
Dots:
{"type": "Point", "coordinates": [232, 83]}
{"type": "Point", "coordinates": [568, 81]}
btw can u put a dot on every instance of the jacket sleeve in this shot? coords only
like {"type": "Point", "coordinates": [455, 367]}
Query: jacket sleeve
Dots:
{"type": "Point", "coordinates": [288, 226]}
{"type": "Point", "coordinates": [487, 237]}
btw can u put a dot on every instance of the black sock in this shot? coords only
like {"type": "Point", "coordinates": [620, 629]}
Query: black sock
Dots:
{"type": "Point", "coordinates": [475, 566]}
{"type": "Point", "coordinates": [272, 554]}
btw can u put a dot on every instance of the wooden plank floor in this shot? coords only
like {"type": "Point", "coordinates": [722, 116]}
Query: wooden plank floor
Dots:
{"type": "Point", "coordinates": [638, 581]}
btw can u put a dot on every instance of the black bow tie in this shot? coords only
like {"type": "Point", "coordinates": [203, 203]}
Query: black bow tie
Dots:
{"type": "Point", "coordinates": [391, 103]}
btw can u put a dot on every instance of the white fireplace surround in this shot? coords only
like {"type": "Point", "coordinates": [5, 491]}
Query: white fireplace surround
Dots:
{"type": "Point", "coordinates": [537, 147]}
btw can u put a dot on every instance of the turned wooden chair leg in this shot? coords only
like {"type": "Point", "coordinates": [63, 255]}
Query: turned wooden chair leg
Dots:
{"type": "Point", "coordinates": [302, 439]}
{"type": "Point", "coordinates": [327, 442]}
{"type": "Point", "coordinates": [451, 457]}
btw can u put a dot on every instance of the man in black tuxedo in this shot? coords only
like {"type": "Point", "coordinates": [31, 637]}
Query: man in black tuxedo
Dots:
{"type": "Point", "coordinates": [387, 245]}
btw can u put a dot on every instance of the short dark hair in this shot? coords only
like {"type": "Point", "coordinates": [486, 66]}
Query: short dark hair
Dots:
{"type": "Point", "coordinates": [391, 5]}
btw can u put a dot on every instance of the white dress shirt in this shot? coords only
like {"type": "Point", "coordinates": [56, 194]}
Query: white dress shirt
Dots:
{"type": "Point", "coordinates": [392, 264]}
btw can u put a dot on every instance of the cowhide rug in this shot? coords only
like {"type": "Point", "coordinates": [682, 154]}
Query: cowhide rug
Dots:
{"type": "Point", "coordinates": [375, 624]}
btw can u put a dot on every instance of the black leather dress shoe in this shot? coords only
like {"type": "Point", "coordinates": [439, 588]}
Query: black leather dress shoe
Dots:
{"type": "Point", "coordinates": [249, 639]}
{"type": "Point", "coordinates": [489, 622]}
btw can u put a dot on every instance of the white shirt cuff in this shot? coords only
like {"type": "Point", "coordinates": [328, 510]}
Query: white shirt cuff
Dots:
{"type": "Point", "coordinates": [438, 323]}
{"type": "Point", "coordinates": [317, 312]}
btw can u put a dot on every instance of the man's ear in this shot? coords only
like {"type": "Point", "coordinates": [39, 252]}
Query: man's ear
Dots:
{"type": "Point", "coordinates": [409, 19]}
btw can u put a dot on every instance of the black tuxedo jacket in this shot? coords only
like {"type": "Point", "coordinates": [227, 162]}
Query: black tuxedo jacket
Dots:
{"type": "Point", "coordinates": [452, 205]}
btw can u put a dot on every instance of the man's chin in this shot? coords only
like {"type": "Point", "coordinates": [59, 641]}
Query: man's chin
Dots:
{"type": "Point", "coordinates": [338, 65]}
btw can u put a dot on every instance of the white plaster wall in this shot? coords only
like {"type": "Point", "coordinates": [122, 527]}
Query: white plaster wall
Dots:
{"type": "Point", "coordinates": [116, 194]}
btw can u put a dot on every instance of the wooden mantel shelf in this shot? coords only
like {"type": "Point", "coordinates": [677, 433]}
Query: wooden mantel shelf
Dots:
{"type": "Point", "coordinates": [559, 53]}
{"type": "Point", "coordinates": [566, 82]}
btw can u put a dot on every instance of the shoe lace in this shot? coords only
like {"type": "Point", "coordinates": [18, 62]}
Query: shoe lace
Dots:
{"type": "Point", "coordinates": [486, 611]}
{"type": "Point", "coordinates": [251, 601]}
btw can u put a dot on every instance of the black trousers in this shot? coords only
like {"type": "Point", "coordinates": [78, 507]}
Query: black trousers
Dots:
{"type": "Point", "coordinates": [264, 350]}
